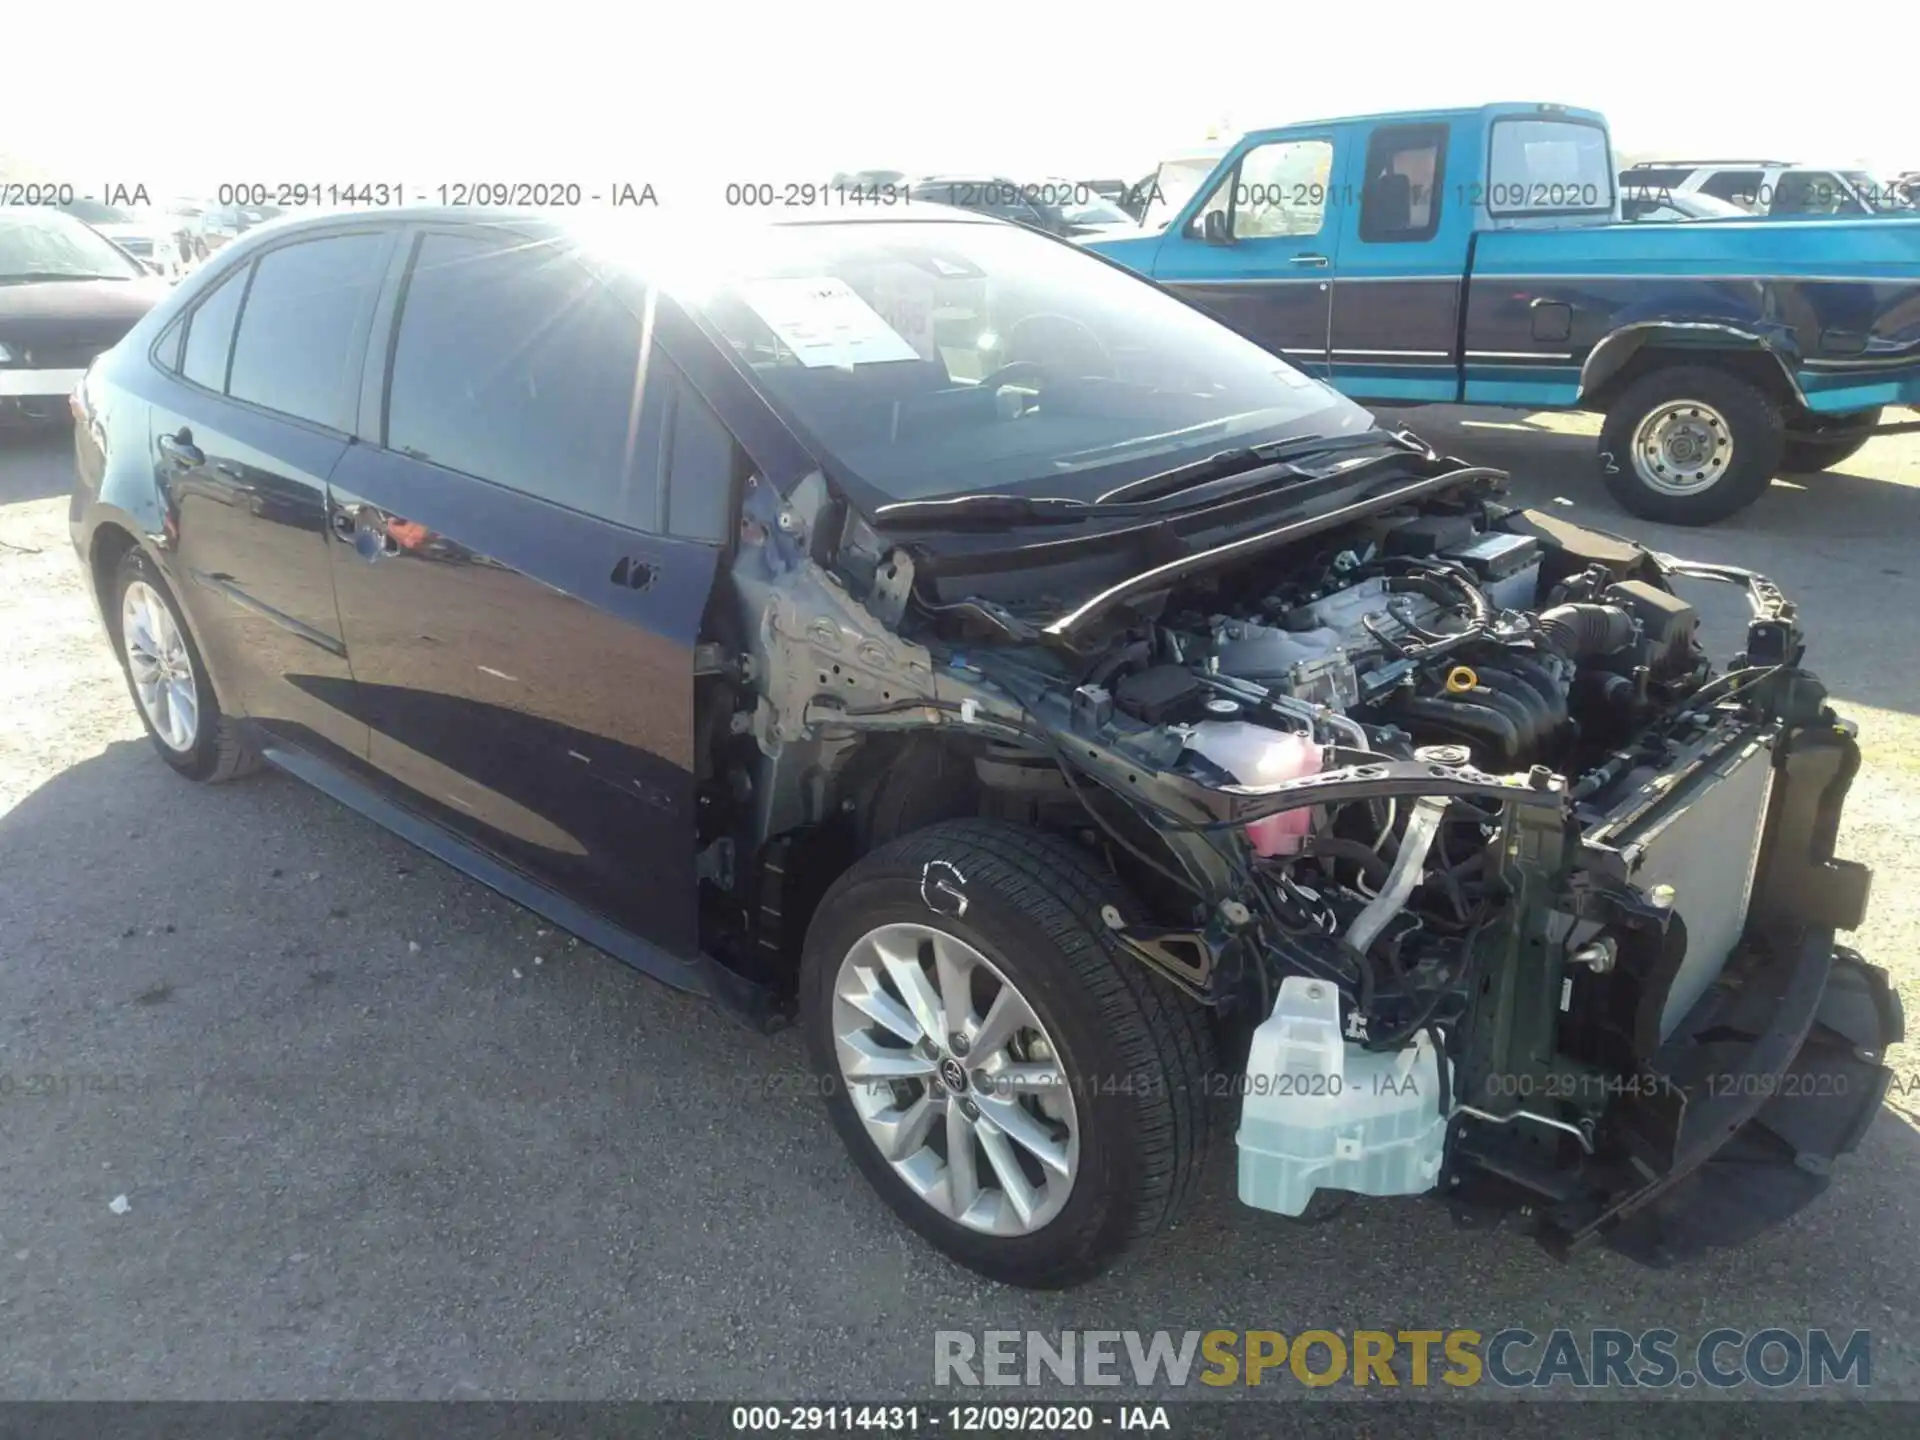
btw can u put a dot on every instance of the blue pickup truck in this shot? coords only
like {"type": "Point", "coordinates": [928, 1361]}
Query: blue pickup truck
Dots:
{"type": "Point", "coordinates": [1477, 257]}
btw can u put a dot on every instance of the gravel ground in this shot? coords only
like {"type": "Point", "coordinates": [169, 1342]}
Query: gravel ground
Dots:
{"type": "Point", "coordinates": [380, 1133]}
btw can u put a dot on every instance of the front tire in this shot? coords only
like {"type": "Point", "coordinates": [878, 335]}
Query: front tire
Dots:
{"type": "Point", "coordinates": [1023, 1095]}
{"type": "Point", "coordinates": [1809, 451]}
{"type": "Point", "coordinates": [168, 679]}
{"type": "Point", "coordinates": [1689, 445]}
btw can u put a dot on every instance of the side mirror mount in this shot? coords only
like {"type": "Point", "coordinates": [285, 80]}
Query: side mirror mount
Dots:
{"type": "Point", "coordinates": [1213, 228]}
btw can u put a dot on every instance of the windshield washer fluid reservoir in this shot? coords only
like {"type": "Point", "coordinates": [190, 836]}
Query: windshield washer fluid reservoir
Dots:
{"type": "Point", "coordinates": [1255, 755]}
{"type": "Point", "coordinates": [1322, 1113]}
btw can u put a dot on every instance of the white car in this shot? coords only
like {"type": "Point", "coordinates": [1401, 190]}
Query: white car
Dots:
{"type": "Point", "coordinates": [1659, 205]}
{"type": "Point", "coordinates": [1771, 188]}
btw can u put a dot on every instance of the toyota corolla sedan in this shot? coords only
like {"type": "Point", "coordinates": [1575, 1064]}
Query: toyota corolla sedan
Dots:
{"type": "Point", "coordinates": [1089, 729]}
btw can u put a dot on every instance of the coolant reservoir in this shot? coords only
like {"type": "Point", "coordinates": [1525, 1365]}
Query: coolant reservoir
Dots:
{"type": "Point", "coordinates": [1255, 755]}
{"type": "Point", "coordinates": [1322, 1113]}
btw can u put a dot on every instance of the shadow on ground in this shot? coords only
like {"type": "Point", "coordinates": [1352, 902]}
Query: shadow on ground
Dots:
{"type": "Point", "coordinates": [35, 463]}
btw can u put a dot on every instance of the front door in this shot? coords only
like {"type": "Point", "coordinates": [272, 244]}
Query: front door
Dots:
{"type": "Point", "coordinates": [1403, 249]}
{"type": "Point", "coordinates": [1266, 269]}
{"type": "Point", "coordinates": [521, 635]}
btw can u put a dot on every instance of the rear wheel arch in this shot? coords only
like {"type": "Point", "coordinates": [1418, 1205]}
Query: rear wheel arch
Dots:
{"type": "Point", "coordinates": [1626, 356]}
{"type": "Point", "coordinates": [111, 542]}
{"type": "Point", "coordinates": [214, 747]}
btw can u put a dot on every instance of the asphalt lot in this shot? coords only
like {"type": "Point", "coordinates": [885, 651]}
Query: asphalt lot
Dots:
{"type": "Point", "coordinates": [381, 1134]}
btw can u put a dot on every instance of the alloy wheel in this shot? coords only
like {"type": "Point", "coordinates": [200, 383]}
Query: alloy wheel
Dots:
{"type": "Point", "coordinates": [956, 1080]}
{"type": "Point", "coordinates": [161, 667]}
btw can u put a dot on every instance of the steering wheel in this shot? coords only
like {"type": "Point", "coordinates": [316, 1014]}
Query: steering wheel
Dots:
{"type": "Point", "coordinates": [1007, 373]}
{"type": "Point", "coordinates": [1092, 342]}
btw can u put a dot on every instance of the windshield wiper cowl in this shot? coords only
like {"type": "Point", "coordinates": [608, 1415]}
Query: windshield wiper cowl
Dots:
{"type": "Point", "coordinates": [984, 509]}
{"type": "Point", "coordinates": [1252, 457]}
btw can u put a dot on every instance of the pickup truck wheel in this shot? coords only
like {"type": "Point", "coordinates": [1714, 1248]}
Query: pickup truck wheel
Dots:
{"type": "Point", "coordinates": [1690, 445]}
{"type": "Point", "coordinates": [1810, 451]}
{"type": "Point", "coordinates": [1027, 1098]}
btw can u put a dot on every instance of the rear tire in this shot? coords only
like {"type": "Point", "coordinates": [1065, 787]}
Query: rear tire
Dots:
{"type": "Point", "coordinates": [1808, 451]}
{"type": "Point", "coordinates": [168, 680]}
{"type": "Point", "coordinates": [1689, 445]}
{"type": "Point", "coordinates": [1130, 1053]}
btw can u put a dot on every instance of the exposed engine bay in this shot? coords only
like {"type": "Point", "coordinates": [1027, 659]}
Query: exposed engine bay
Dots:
{"type": "Point", "coordinates": [1442, 802]}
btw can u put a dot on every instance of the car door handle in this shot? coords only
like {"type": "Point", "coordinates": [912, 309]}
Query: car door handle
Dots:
{"type": "Point", "coordinates": [180, 449]}
{"type": "Point", "coordinates": [1315, 260]}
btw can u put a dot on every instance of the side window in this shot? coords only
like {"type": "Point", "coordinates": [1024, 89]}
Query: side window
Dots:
{"type": "Point", "coordinates": [203, 359]}
{"type": "Point", "coordinates": [299, 344]}
{"type": "Point", "coordinates": [514, 365]}
{"type": "Point", "coordinates": [1277, 189]}
{"type": "Point", "coordinates": [166, 349]}
{"type": "Point", "coordinates": [1739, 187]}
{"type": "Point", "coordinates": [1400, 198]}
{"type": "Point", "coordinates": [702, 464]}
{"type": "Point", "coordinates": [1814, 192]}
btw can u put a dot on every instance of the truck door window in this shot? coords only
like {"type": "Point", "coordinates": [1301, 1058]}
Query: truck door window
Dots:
{"type": "Point", "coordinates": [1547, 167]}
{"type": "Point", "coordinates": [1277, 189]}
{"type": "Point", "coordinates": [1741, 187]}
{"type": "Point", "coordinates": [1400, 199]}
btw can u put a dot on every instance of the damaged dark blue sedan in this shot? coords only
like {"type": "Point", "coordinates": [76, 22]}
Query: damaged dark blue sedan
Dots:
{"type": "Point", "coordinates": [1088, 728]}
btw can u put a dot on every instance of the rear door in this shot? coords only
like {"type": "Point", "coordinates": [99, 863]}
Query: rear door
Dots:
{"type": "Point", "coordinates": [1266, 271]}
{"type": "Point", "coordinates": [255, 414]}
{"type": "Point", "coordinates": [1403, 254]}
{"type": "Point", "coordinates": [521, 625]}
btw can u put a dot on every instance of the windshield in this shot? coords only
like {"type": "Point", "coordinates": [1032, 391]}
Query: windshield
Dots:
{"type": "Point", "coordinates": [94, 213]}
{"type": "Point", "coordinates": [46, 244]}
{"type": "Point", "coordinates": [933, 359]}
{"type": "Point", "coordinates": [1081, 204]}
{"type": "Point", "coordinates": [1548, 167]}
{"type": "Point", "coordinates": [1172, 186]}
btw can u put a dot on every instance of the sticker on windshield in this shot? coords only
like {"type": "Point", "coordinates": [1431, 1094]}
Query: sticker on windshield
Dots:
{"type": "Point", "coordinates": [825, 323]}
{"type": "Point", "coordinates": [906, 297]}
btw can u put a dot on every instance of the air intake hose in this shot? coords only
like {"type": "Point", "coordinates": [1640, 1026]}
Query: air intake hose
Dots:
{"type": "Point", "coordinates": [1583, 629]}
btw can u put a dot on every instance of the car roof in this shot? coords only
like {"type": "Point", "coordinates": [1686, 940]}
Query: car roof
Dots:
{"type": "Point", "coordinates": [1496, 110]}
{"type": "Point", "coordinates": [561, 221]}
